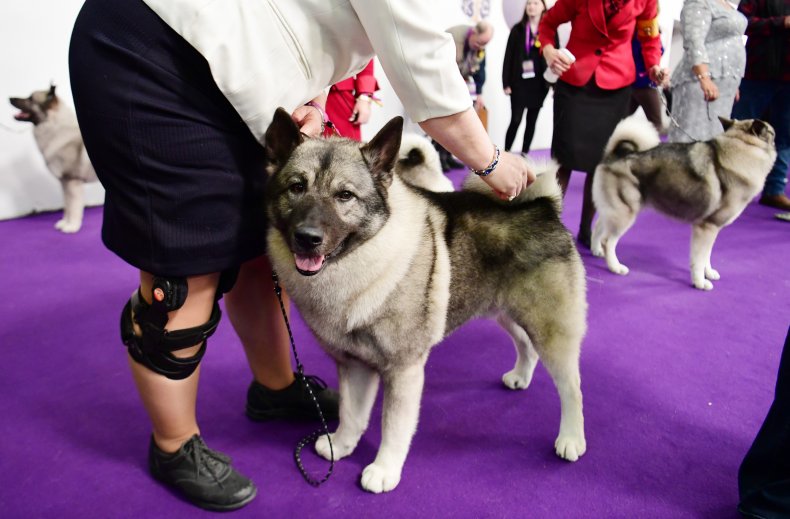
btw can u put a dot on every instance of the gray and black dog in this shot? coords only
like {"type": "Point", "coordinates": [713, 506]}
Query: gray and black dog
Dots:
{"type": "Point", "coordinates": [382, 270]}
{"type": "Point", "coordinates": [707, 184]}
{"type": "Point", "coordinates": [58, 138]}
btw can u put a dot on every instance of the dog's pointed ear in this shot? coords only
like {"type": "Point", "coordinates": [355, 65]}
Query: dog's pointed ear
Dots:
{"type": "Point", "coordinates": [726, 123]}
{"type": "Point", "coordinates": [51, 92]}
{"type": "Point", "coordinates": [382, 150]}
{"type": "Point", "coordinates": [281, 139]}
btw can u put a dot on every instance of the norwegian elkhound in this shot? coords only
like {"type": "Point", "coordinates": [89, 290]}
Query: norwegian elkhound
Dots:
{"type": "Point", "coordinates": [382, 270]}
{"type": "Point", "coordinates": [60, 142]}
{"type": "Point", "coordinates": [707, 184]}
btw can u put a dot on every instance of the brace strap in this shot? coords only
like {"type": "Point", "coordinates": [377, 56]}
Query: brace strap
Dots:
{"type": "Point", "coordinates": [154, 347]}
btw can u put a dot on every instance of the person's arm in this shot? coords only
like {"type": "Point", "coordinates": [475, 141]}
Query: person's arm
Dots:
{"type": "Point", "coordinates": [463, 134]}
{"type": "Point", "coordinates": [562, 11]}
{"type": "Point", "coordinates": [311, 117]}
{"type": "Point", "coordinates": [507, 63]}
{"type": "Point", "coordinates": [764, 25]}
{"type": "Point", "coordinates": [365, 85]}
{"type": "Point", "coordinates": [418, 57]}
{"type": "Point", "coordinates": [695, 19]}
{"type": "Point", "coordinates": [649, 37]}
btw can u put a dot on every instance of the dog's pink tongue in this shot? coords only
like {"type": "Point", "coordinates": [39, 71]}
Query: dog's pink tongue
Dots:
{"type": "Point", "coordinates": [309, 263]}
{"type": "Point", "coordinates": [22, 116]}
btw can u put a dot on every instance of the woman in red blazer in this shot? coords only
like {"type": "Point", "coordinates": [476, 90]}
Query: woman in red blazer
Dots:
{"type": "Point", "coordinates": [592, 93]}
{"type": "Point", "coordinates": [348, 103]}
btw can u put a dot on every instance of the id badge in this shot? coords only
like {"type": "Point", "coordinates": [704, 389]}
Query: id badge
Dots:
{"type": "Point", "coordinates": [527, 69]}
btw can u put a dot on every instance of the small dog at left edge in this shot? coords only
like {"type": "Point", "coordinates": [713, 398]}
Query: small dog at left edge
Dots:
{"type": "Point", "coordinates": [60, 142]}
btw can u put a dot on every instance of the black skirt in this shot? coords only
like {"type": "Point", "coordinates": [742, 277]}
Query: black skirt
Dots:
{"type": "Point", "coordinates": [183, 174]}
{"type": "Point", "coordinates": [584, 119]}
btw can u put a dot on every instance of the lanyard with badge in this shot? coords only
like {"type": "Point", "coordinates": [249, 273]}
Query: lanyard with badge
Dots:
{"type": "Point", "coordinates": [528, 65]}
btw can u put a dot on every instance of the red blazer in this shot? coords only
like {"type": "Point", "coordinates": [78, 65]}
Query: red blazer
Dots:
{"type": "Point", "coordinates": [342, 97]}
{"type": "Point", "coordinates": [600, 47]}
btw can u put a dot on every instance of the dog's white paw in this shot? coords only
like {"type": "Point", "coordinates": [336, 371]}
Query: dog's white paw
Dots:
{"type": "Point", "coordinates": [339, 450]}
{"type": "Point", "coordinates": [703, 284]}
{"type": "Point", "coordinates": [377, 479]}
{"type": "Point", "coordinates": [569, 447]}
{"type": "Point", "coordinates": [515, 380]}
{"type": "Point", "coordinates": [67, 227]}
{"type": "Point", "coordinates": [619, 269]}
{"type": "Point", "coordinates": [712, 274]}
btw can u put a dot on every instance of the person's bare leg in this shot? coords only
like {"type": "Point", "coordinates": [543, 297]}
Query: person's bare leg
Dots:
{"type": "Point", "coordinates": [563, 178]}
{"type": "Point", "coordinates": [171, 403]}
{"type": "Point", "coordinates": [255, 314]}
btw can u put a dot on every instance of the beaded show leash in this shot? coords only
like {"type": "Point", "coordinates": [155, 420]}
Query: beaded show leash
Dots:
{"type": "Point", "coordinates": [324, 430]}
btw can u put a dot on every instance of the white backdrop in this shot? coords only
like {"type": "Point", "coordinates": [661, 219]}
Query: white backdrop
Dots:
{"type": "Point", "coordinates": [34, 36]}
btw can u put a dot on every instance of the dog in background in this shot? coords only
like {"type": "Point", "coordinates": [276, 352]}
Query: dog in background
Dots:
{"type": "Point", "coordinates": [707, 184]}
{"type": "Point", "coordinates": [382, 270]}
{"type": "Point", "coordinates": [58, 138]}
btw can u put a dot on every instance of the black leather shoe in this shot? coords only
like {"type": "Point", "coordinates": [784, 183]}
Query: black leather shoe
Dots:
{"type": "Point", "coordinates": [201, 475]}
{"type": "Point", "coordinates": [292, 402]}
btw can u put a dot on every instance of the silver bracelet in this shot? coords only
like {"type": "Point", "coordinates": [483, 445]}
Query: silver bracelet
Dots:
{"type": "Point", "coordinates": [491, 167]}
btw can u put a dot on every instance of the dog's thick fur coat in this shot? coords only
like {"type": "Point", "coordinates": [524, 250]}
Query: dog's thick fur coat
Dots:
{"type": "Point", "coordinates": [707, 184]}
{"type": "Point", "coordinates": [382, 270]}
{"type": "Point", "coordinates": [58, 137]}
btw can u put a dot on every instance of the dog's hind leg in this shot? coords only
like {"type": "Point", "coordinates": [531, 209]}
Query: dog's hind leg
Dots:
{"type": "Point", "coordinates": [73, 206]}
{"type": "Point", "coordinates": [401, 409]}
{"type": "Point", "coordinates": [554, 315]}
{"type": "Point", "coordinates": [703, 236]}
{"type": "Point", "coordinates": [526, 357]}
{"type": "Point", "coordinates": [612, 228]}
{"type": "Point", "coordinates": [358, 385]}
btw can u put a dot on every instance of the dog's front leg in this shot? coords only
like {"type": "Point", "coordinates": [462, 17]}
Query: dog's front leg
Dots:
{"type": "Point", "coordinates": [703, 236]}
{"type": "Point", "coordinates": [401, 409]}
{"type": "Point", "coordinates": [73, 206]}
{"type": "Point", "coordinates": [358, 385]}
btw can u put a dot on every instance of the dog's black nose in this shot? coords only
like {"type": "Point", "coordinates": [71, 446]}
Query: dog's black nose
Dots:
{"type": "Point", "coordinates": [308, 238]}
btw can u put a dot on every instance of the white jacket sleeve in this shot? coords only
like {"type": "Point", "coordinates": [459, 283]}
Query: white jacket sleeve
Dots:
{"type": "Point", "coordinates": [417, 55]}
{"type": "Point", "coordinates": [695, 19]}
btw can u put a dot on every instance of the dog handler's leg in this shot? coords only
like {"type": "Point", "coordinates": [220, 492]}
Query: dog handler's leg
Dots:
{"type": "Point", "coordinates": [401, 409]}
{"type": "Point", "coordinates": [254, 311]}
{"type": "Point", "coordinates": [171, 403]}
{"type": "Point", "coordinates": [703, 237]}
{"type": "Point", "coordinates": [358, 387]}
{"type": "Point", "coordinates": [526, 357]}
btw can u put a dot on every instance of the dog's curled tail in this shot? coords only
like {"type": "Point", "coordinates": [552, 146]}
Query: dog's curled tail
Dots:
{"type": "Point", "coordinates": [632, 134]}
{"type": "Point", "coordinates": [545, 185]}
{"type": "Point", "coordinates": [419, 165]}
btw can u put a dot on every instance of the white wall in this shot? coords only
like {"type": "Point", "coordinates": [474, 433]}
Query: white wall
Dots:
{"type": "Point", "coordinates": [34, 36]}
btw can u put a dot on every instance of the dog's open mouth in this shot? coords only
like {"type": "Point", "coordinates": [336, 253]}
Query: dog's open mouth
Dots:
{"type": "Point", "coordinates": [22, 116]}
{"type": "Point", "coordinates": [309, 265]}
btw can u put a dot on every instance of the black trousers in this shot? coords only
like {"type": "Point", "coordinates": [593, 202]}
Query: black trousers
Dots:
{"type": "Point", "coordinates": [764, 475]}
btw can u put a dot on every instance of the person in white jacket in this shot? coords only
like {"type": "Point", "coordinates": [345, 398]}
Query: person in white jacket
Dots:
{"type": "Point", "coordinates": [173, 98]}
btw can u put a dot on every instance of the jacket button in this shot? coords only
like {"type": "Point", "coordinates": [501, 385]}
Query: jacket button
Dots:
{"type": "Point", "coordinates": [598, 52]}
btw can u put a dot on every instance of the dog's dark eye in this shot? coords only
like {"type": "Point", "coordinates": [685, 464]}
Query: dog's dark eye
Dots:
{"type": "Point", "coordinates": [344, 196]}
{"type": "Point", "coordinates": [297, 188]}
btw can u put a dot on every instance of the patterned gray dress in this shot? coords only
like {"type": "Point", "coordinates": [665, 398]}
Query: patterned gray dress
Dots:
{"type": "Point", "coordinates": [712, 34]}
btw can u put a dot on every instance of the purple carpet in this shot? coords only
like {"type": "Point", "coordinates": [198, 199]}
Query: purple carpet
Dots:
{"type": "Point", "coordinates": [676, 383]}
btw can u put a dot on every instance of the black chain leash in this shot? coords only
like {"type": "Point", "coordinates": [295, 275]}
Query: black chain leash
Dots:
{"type": "Point", "coordinates": [669, 111]}
{"type": "Point", "coordinates": [324, 430]}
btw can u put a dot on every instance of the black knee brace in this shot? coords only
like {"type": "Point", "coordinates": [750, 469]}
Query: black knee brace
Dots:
{"type": "Point", "coordinates": [154, 347]}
